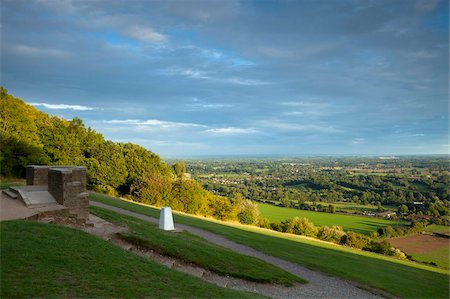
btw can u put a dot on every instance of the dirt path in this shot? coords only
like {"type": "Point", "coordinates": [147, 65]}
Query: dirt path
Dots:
{"type": "Point", "coordinates": [320, 285]}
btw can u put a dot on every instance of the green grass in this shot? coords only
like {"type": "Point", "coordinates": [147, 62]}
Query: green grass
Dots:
{"type": "Point", "coordinates": [43, 260]}
{"type": "Point", "coordinates": [196, 250]}
{"type": "Point", "coordinates": [349, 207]}
{"type": "Point", "coordinates": [439, 256]}
{"type": "Point", "coordinates": [6, 182]}
{"type": "Point", "coordinates": [440, 229]}
{"type": "Point", "coordinates": [400, 278]}
{"type": "Point", "coordinates": [359, 224]}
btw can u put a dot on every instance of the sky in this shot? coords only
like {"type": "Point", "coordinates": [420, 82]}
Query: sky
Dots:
{"type": "Point", "coordinates": [196, 78]}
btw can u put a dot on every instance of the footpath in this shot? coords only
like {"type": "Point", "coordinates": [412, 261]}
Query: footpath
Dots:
{"type": "Point", "coordinates": [320, 285]}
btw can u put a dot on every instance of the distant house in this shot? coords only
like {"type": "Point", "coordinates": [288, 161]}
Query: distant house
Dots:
{"type": "Point", "coordinates": [387, 214]}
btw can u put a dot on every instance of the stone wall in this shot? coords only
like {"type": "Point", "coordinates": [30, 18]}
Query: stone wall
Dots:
{"type": "Point", "coordinates": [68, 186]}
{"type": "Point", "coordinates": [37, 174]}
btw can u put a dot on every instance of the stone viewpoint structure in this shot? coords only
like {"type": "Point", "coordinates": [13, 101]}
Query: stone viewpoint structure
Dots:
{"type": "Point", "coordinates": [56, 193]}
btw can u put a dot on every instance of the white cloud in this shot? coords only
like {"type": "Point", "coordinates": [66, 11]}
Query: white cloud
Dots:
{"type": "Point", "coordinates": [197, 104]}
{"type": "Point", "coordinates": [231, 131]}
{"type": "Point", "coordinates": [154, 123]}
{"type": "Point", "coordinates": [190, 73]}
{"type": "Point", "coordinates": [35, 51]}
{"type": "Point", "coordinates": [295, 127]}
{"type": "Point", "coordinates": [146, 34]}
{"type": "Point", "coordinates": [294, 113]}
{"type": "Point", "coordinates": [63, 106]}
{"type": "Point", "coordinates": [358, 140]}
{"type": "Point", "coordinates": [199, 74]}
{"type": "Point", "coordinates": [242, 81]}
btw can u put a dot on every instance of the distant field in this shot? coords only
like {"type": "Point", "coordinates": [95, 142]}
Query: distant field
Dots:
{"type": "Point", "coordinates": [349, 207]}
{"type": "Point", "coordinates": [359, 224]}
{"type": "Point", "coordinates": [441, 229]}
{"type": "Point", "coordinates": [425, 248]}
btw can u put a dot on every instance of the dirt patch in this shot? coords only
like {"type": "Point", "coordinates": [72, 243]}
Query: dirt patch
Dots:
{"type": "Point", "coordinates": [419, 243]}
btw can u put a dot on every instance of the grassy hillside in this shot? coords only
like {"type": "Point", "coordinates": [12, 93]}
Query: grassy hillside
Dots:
{"type": "Point", "coordinates": [400, 278]}
{"type": "Point", "coordinates": [196, 250]}
{"type": "Point", "coordinates": [42, 260]}
{"type": "Point", "coordinates": [358, 224]}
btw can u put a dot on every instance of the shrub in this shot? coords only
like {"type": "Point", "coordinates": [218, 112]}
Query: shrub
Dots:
{"type": "Point", "coordinates": [354, 240]}
{"type": "Point", "coordinates": [264, 222]}
{"type": "Point", "coordinates": [300, 226]}
{"type": "Point", "coordinates": [333, 234]}
{"type": "Point", "coordinates": [248, 212]}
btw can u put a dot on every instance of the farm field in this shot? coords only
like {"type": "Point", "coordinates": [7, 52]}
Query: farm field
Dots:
{"type": "Point", "coordinates": [51, 261]}
{"type": "Point", "coordinates": [440, 229]}
{"type": "Point", "coordinates": [425, 248]}
{"type": "Point", "coordinates": [359, 224]}
{"type": "Point", "coordinates": [401, 278]}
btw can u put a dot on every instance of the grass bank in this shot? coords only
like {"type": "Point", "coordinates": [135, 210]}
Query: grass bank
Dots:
{"type": "Point", "coordinates": [196, 250]}
{"type": "Point", "coordinates": [42, 260]}
{"type": "Point", "coordinates": [400, 278]}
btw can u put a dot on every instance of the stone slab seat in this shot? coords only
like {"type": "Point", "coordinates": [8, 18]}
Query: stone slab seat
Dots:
{"type": "Point", "coordinates": [37, 198]}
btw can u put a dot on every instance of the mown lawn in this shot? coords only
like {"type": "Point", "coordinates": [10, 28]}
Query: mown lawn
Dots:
{"type": "Point", "coordinates": [50, 261]}
{"type": "Point", "coordinates": [359, 224]}
{"type": "Point", "coordinates": [400, 278]}
{"type": "Point", "coordinates": [196, 250]}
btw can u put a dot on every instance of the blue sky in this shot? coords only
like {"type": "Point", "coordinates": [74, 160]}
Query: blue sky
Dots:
{"type": "Point", "coordinates": [186, 78]}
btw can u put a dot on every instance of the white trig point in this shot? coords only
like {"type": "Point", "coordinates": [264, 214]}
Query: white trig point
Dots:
{"type": "Point", "coordinates": [166, 219]}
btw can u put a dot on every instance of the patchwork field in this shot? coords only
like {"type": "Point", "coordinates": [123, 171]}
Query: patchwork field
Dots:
{"type": "Point", "coordinates": [359, 224]}
{"type": "Point", "coordinates": [425, 248]}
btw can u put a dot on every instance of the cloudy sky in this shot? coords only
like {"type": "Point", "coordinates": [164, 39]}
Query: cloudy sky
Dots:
{"type": "Point", "coordinates": [224, 77]}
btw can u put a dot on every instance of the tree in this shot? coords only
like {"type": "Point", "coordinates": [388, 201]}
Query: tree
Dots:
{"type": "Point", "coordinates": [179, 168]}
{"type": "Point", "coordinates": [403, 209]}
{"type": "Point", "coordinates": [331, 209]}
{"type": "Point", "coordinates": [285, 201]}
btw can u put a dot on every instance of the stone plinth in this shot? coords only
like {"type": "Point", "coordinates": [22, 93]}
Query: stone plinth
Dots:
{"type": "Point", "coordinates": [68, 186]}
{"type": "Point", "coordinates": [37, 174]}
{"type": "Point", "coordinates": [166, 219]}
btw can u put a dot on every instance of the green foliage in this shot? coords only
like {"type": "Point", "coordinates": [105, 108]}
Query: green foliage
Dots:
{"type": "Point", "coordinates": [248, 210]}
{"type": "Point", "coordinates": [355, 240]}
{"type": "Point", "coordinates": [331, 234]}
{"type": "Point", "coordinates": [300, 226]}
{"type": "Point", "coordinates": [179, 168]}
{"type": "Point", "coordinates": [20, 143]}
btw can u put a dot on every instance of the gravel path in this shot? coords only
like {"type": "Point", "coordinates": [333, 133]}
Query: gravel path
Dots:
{"type": "Point", "coordinates": [320, 285]}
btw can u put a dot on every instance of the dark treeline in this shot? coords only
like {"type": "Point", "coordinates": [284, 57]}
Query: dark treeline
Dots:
{"type": "Point", "coordinates": [29, 136]}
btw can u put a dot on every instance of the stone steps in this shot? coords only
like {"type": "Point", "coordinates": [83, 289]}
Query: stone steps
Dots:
{"type": "Point", "coordinates": [11, 193]}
